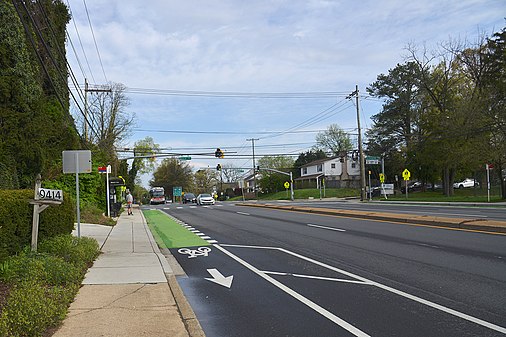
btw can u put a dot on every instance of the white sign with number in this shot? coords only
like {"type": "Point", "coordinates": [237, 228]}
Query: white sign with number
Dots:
{"type": "Point", "coordinates": [47, 194]}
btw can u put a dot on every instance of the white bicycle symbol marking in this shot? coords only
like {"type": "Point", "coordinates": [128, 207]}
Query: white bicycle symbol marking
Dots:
{"type": "Point", "coordinates": [201, 251]}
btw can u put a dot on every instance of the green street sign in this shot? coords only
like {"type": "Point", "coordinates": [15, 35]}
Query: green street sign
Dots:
{"type": "Point", "coordinates": [185, 158]}
{"type": "Point", "coordinates": [177, 191]}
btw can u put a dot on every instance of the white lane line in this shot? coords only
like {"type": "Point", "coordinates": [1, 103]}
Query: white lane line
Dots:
{"type": "Point", "coordinates": [218, 205]}
{"type": "Point", "coordinates": [316, 277]}
{"type": "Point", "coordinates": [200, 234]}
{"type": "Point", "coordinates": [193, 206]}
{"type": "Point", "coordinates": [242, 213]}
{"type": "Point", "coordinates": [322, 311]}
{"type": "Point", "coordinates": [426, 245]}
{"type": "Point", "coordinates": [404, 294]}
{"type": "Point", "coordinates": [166, 208]}
{"type": "Point", "coordinates": [206, 237]}
{"type": "Point", "coordinates": [179, 207]}
{"type": "Point", "coordinates": [212, 241]}
{"type": "Point", "coordinates": [329, 228]}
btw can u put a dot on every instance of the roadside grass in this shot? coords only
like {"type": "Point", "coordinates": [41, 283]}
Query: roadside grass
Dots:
{"type": "Point", "coordinates": [169, 234]}
{"type": "Point", "coordinates": [37, 288]}
{"type": "Point", "coordinates": [308, 193]}
{"type": "Point", "coordinates": [460, 195]}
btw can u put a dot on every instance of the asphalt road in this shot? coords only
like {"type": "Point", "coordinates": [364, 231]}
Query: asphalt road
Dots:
{"type": "Point", "coordinates": [483, 211]}
{"type": "Point", "coordinates": [308, 275]}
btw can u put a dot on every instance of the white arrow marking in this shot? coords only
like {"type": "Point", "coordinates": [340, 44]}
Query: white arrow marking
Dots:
{"type": "Point", "coordinates": [218, 278]}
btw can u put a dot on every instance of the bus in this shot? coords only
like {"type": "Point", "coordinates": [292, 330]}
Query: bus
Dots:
{"type": "Point", "coordinates": [156, 195]}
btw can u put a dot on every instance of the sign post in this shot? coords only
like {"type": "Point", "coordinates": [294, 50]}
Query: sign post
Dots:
{"type": "Point", "coordinates": [42, 199]}
{"type": "Point", "coordinates": [78, 161]}
{"type": "Point", "coordinates": [487, 167]}
{"type": "Point", "coordinates": [406, 175]}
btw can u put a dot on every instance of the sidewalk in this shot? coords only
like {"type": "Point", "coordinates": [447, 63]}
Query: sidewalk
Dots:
{"type": "Point", "coordinates": [131, 290]}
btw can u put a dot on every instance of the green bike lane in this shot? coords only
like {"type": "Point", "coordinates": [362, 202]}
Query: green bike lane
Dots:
{"type": "Point", "coordinates": [169, 233]}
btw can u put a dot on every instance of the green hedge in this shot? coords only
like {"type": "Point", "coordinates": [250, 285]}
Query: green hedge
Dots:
{"type": "Point", "coordinates": [16, 216]}
{"type": "Point", "coordinates": [43, 284]}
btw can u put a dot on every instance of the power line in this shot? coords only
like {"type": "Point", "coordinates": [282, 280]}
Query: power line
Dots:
{"type": "Point", "coordinates": [95, 40]}
{"type": "Point", "coordinates": [232, 94]}
{"type": "Point", "coordinates": [81, 44]}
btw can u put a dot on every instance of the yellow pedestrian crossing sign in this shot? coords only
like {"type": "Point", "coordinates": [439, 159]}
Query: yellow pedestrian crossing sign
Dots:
{"type": "Point", "coordinates": [382, 177]}
{"type": "Point", "coordinates": [406, 174]}
{"type": "Point", "coordinates": [287, 184]}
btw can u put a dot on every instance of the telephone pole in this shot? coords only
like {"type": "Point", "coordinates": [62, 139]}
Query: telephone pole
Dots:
{"type": "Point", "coordinates": [86, 89]}
{"type": "Point", "coordinates": [252, 140]}
{"type": "Point", "coordinates": [360, 148]}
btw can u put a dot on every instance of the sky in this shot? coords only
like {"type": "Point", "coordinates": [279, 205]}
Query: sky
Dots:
{"type": "Point", "coordinates": [202, 75]}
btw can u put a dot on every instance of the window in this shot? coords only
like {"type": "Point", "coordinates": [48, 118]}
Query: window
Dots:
{"type": "Point", "coordinates": [304, 170]}
{"type": "Point", "coordinates": [353, 165]}
{"type": "Point", "coordinates": [333, 165]}
{"type": "Point", "coordinates": [319, 168]}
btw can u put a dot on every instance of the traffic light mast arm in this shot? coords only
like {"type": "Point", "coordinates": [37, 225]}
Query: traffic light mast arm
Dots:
{"type": "Point", "coordinates": [288, 174]}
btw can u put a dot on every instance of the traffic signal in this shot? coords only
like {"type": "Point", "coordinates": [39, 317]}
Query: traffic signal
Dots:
{"type": "Point", "coordinates": [218, 167]}
{"type": "Point", "coordinates": [218, 153]}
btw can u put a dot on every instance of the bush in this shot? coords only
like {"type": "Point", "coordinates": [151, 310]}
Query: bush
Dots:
{"type": "Point", "coordinates": [16, 216]}
{"type": "Point", "coordinates": [50, 270]}
{"type": "Point", "coordinates": [33, 307]}
{"type": "Point", "coordinates": [44, 284]}
{"type": "Point", "coordinates": [79, 251]}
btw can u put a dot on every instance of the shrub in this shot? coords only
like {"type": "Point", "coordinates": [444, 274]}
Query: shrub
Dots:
{"type": "Point", "coordinates": [16, 215]}
{"type": "Point", "coordinates": [32, 308]}
{"type": "Point", "coordinates": [45, 269]}
{"type": "Point", "coordinates": [79, 251]}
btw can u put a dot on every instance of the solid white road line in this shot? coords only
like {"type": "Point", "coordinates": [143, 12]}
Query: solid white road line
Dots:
{"type": "Point", "coordinates": [404, 294]}
{"type": "Point", "coordinates": [316, 277]}
{"type": "Point", "coordinates": [242, 213]}
{"type": "Point", "coordinates": [212, 241]}
{"type": "Point", "coordinates": [329, 228]}
{"type": "Point", "coordinates": [322, 311]}
{"type": "Point", "coordinates": [450, 311]}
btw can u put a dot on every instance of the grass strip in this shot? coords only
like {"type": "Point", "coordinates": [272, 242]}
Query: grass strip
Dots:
{"type": "Point", "coordinates": [169, 234]}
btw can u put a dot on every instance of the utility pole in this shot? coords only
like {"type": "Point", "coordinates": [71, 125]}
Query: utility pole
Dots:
{"type": "Point", "coordinates": [86, 89]}
{"type": "Point", "coordinates": [252, 140]}
{"type": "Point", "coordinates": [360, 149]}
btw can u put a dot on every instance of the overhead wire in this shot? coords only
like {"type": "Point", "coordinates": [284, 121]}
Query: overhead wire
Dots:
{"type": "Point", "coordinates": [81, 44]}
{"type": "Point", "coordinates": [95, 40]}
{"type": "Point", "coordinates": [49, 54]}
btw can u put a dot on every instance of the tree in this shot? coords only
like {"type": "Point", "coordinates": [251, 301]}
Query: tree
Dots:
{"type": "Point", "coordinates": [305, 158]}
{"type": "Point", "coordinates": [230, 173]}
{"type": "Point", "coordinates": [494, 83]}
{"type": "Point", "coordinates": [110, 122]}
{"type": "Point", "coordinates": [205, 180]}
{"type": "Point", "coordinates": [144, 159]}
{"type": "Point", "coordinates": [271, 181]}
{"type": "Point", "coordinates": [333, 141]}
{"type": "Point", "coordinates": [171, 173]}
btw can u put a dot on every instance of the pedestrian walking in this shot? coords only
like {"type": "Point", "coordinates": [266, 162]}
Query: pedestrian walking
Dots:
{"type": "Point", "coordinates": [130, 201]}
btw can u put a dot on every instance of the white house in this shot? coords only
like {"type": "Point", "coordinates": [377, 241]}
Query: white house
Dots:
{"type": "Point", "coordinates": [335, 172]}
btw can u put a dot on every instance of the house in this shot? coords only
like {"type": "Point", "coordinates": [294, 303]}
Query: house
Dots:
{"type": "Point", "coordinates": [334, 172]}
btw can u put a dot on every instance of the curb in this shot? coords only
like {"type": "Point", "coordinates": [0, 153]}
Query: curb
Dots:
{"type": "Point", "coordinates": [189, 318]}
{"type": "Point", "coordinates": [469, 224]}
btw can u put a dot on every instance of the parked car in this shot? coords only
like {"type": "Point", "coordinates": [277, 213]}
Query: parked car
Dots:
{"type": "Point", "coordinates": [205, 199]}
{"type": "Point", "coordinates": [468, 182]}
{"type": "Point", "coordinates": [189, 198]}
{"type": "Point", "coordinates": [413, 186]}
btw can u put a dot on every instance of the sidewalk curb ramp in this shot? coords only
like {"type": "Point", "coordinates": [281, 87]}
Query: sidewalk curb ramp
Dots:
{"type": "Point", "coordinates": [469, 224]}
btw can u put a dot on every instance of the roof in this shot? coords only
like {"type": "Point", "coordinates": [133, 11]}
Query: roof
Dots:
{"type": "Point", "coordinates": [310, 176]}
{"type": "Point", "coordinates": [319, 161]}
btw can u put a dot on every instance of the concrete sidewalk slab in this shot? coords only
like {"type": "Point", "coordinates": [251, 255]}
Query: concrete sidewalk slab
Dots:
{"type": "Point", "coordinates": [125, 268]}
{"type": "Point", "coordinates": [123, 310]}
{"type": "Point", "coordinates": [126, 292]}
